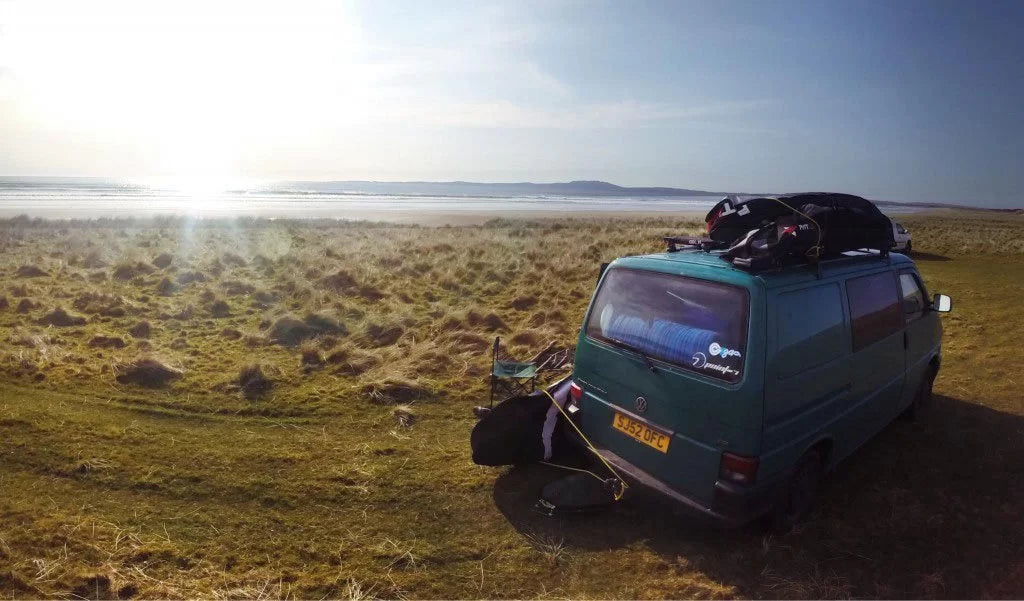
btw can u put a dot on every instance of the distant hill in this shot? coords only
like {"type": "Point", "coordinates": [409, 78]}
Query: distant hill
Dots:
{"type": "Point", "coordinates": [590, 188]}
{"type": "Point", "coordinates": [939, 205]}
{"type": "Point", "coordinates": [457, 188]}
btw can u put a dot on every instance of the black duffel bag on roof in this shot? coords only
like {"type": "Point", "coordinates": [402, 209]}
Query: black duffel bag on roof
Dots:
{"type": "Point", "coordinates": [769, 230]}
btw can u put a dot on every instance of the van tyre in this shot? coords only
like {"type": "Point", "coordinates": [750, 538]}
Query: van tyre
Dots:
{"type": "Point", "coordinates": [907, 251]}
{"type": "Point", "coordinates": [922, 400]}
{"type": "Point", "coordinates": [800, 493]}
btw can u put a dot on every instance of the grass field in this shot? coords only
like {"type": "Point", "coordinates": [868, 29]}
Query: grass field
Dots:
{"type": "Point", "coordinates": [260, 454]}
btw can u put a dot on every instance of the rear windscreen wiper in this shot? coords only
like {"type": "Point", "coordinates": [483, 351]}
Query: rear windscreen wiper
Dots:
{"type": "Point", "coordinates": [639, 353]}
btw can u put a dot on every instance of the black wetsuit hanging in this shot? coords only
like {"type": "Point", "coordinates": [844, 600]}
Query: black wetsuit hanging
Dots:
{"type": "Point", "coordinates": [522, 429]}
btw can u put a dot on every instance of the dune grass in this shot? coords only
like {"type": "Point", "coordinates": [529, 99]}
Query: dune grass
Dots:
{"type": "Point", "coordinates": [307, 434]}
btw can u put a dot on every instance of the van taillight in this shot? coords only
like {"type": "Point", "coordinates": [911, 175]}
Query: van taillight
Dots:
{"type": "Point", "coordinates": [738, 469]}
{"type": "Point", "coordinates": [575, 391]}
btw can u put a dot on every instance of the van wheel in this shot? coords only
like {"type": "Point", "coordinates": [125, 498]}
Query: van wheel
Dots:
{"type": "Point", "coordinates": [799, 496]}
{"type": "Point", "coordinates": [907, 250]}
{"type": "Point", "coordinates": [922, 400]}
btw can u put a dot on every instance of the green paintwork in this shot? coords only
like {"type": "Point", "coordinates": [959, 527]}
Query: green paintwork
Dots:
{"type": "Point", "coordinates": [787, 400]}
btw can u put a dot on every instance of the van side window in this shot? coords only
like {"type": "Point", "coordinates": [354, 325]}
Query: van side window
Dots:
{"type": "Point", "coordinates": [913, 296]}
{"type": "Point", "coordinates": [874, 308]}
{"type": "Point", "coordinates": [810, 327]}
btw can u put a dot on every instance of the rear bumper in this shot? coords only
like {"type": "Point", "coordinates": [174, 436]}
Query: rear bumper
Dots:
{"type": "Point", "coordinates": [733, 505]}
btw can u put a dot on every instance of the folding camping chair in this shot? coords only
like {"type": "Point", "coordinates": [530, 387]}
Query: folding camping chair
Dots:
{"type": "Point", "coordinates": [511, 377]}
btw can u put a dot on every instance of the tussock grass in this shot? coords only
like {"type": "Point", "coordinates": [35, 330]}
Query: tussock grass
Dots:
{"type": "Point", "coordinates": [220, 308]}
{"type": "Point", "coordinates": [142, 329]}
{"type": "Point", "coordinates": [233, 260]}
{"type": "Point", "coordinates": [254, 380]}
{"type": "Point", "coordinates": [146, 371]}
{"type": "Point", "coordinates": [396, 389]}
{"type": "Point", "coordinates": [163, 261]}
{"type": "Point", "coordinates": [92, 260]}
{"type": "Point", "coordinates": [61, 318]}
{"type": "Point", "coordinates": [263, 299]}
{"type": "Point", "coordinates": [166, 287]}
{"type": "Point", "coordinates": [352, 361]}
{"type": "Point", "coordinates": [107, 342]}
{"type": "Point", "coordinates": [340, 281]}
{"type": "Point", "coordinates": [309, 356]}
{"type": "Point", "coordinates": [404, 415]}
{"type": "Point", "coordinates": [99, 303]}
{"type": "Point", "coordinates": [288, 330]}
{"type": "Point", "coordinates": [26, 304]}
{"type": "Point", "coordinates": [237, 288]}
{"type": "Point", "coordinates": [383, 334]}
{"type": "Point", "coordinates": [189, 277]}
{"type": "Point", "coordinates": [129, 271]}
{"type": "Point", "coordinates": [31, 271]}
{"type": "Point", "coordinates": [232, 334]}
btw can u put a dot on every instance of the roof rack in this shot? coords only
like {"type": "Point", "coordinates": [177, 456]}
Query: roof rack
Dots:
{"type": "Point", "coordinates": [866, 255]}
{"type": "Point", "coordinates": [704, 244]}
{"type": "Point", "coordinates": [679, 243]}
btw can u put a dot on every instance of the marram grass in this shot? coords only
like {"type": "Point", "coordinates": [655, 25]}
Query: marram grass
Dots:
{"type": "Point", "coordinates": [312, 438]}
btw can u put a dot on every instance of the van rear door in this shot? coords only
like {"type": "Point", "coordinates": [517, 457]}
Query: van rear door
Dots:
{"type": "Point", "coordinates": [662, 360]}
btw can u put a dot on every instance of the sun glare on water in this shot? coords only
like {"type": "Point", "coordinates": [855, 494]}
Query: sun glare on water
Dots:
{"type": "Point", "coordinates": [199, 196]}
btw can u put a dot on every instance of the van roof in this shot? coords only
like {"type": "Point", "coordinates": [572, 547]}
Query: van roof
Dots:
{"type": "Point", "coordinates": [683, 262]}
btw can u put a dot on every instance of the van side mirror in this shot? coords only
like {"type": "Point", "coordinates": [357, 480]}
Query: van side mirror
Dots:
{"type": "Point", "coordinates": [942, 303]}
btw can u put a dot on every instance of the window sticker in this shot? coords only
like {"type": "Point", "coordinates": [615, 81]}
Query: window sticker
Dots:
{"type": "Point", "coordinates": [717, 350]}
{"type": "Point", "coordinates": [700, 361]}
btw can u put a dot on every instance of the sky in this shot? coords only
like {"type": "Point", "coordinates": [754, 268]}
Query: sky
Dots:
{"type": "Point", "coordinates": [907, 100]}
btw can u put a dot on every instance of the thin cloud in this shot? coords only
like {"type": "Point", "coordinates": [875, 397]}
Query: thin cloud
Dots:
{"type": "Point", "coordinates": [608, 115]}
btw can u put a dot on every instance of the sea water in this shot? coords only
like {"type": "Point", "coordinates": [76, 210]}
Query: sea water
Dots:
{"type": "Point", "coordinates": [93, 198]}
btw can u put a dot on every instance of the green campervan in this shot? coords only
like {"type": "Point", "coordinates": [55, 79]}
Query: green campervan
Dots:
{"type": "Point", "coordinates": [732, 392]}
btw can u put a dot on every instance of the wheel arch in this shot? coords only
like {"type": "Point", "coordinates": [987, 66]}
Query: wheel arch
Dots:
{"type": "Point", "coordinates": [824, 446]}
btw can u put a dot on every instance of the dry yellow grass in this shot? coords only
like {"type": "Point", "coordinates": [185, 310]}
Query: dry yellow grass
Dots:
{"type": "Point", "coordinates": [348, 474]}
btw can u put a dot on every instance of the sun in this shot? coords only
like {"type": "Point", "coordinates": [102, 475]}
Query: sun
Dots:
{"type": "Point", "coordinates": [197, 88]}
{"type": "Point", "coordinates": [200, 189]}
{"type": "Point", "coordinates": [198, 195]}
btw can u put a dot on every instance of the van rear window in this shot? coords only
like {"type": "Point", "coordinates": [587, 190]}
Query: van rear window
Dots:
{"type": "Point", "coordinates": [694, 324]}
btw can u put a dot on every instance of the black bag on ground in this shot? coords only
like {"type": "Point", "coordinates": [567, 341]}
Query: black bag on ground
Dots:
{"type": "Point", "coordinates": [521, 429]}
{"type": "Point", "coordinates": [576, 493]}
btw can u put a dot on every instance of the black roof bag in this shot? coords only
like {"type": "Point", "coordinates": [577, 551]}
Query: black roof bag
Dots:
{"type": "Point", "coordinates": [767, 230]}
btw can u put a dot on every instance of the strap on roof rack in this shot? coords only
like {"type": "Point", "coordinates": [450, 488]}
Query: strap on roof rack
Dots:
{"type": "Point", "coordinates": [705, 244]}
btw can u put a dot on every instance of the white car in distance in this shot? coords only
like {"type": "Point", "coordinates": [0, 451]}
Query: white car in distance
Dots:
{"type": "Point", "coordinates": [901, 237]}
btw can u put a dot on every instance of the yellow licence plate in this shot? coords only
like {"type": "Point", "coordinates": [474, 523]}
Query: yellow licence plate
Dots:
{"type": "Point", "coordinates": [642, 432]}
